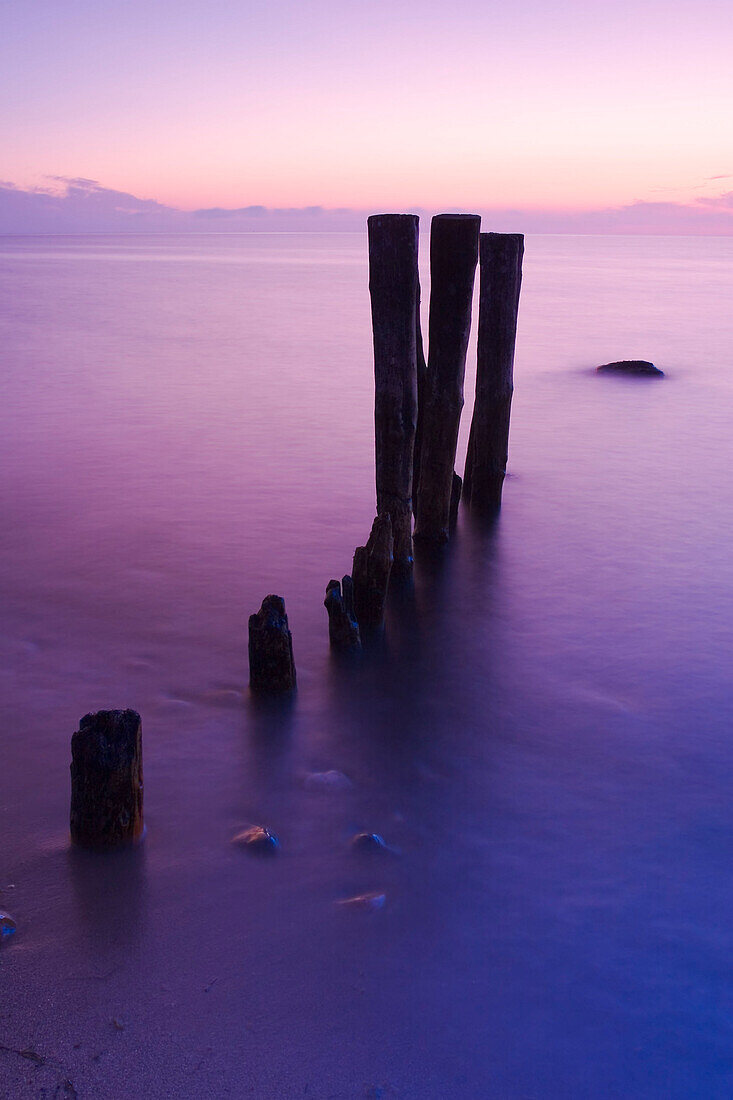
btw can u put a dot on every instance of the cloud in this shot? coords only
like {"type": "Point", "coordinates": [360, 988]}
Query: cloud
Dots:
{"type": "Point", "coordinates": [77, 181]}
{"type": "Point", "coordinates": [240, 211]}
{"type": "Point", "coordinates": [104, 198]}
{"type": "Point", "coordinates": [80, 205]}
{"type": "Point", "coordinates": [724, 201]}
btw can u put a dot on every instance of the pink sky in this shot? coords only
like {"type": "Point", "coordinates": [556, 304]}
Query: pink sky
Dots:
{"type": "Point", "coordinates": [388, 103]}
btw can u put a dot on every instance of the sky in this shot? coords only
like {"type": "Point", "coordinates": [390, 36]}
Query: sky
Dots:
{"type": "Point", "coordinates": [559, 110]}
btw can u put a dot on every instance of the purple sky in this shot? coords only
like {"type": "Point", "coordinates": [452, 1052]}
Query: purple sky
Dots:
{"type": "Point", "coordinates": [569, 113]}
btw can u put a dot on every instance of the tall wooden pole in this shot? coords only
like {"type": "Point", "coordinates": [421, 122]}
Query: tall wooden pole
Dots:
{"type": "Point", "coordinates": [422, 376]}
{"type": "Point", "coordinates": [501, 280]}
{"type": "Point", "coordinates": [393, 286]}
{"type": "Point", "coordinates": [453, 256]}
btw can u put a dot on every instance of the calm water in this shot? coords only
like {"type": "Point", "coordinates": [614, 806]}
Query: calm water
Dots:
{"type": "Point", "coordinates": [545, 733]}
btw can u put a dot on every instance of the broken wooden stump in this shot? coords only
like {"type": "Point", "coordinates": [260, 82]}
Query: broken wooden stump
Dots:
{"type": "Point", "coordinates": [453, 257]}
{"type": "Point", "coordinates": [371, 572]}
{"type": "Point", "coordinates": [488, 443]}
{"type": "Point", "coordinates": [271, 664]}
{"type": "Point", "coordinates": [393, 287]}
{"type": "Point", "coordinates": [455, 499]}
{"type": "Point", "coordinates": [107, 780]}
{"type": "Point", "coordinates": [343, 628]}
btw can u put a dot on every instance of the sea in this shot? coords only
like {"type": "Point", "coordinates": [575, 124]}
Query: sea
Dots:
{"type": "Point", "coordinates": [543, 736]}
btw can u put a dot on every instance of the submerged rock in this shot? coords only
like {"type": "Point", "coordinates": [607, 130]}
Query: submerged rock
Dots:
{"type": "Point", "coordinates": [271, 664]}
{"type": "Point", "coordinates": [7, 925]}
{"type": "Point", "coordinates": [369, 842]}
{"type": "Point", "coordinates": [258, 840]}
{"type": "Point", "coordinates": [631, 366]}
{"type": "Point", "coordinates": [327, 781]}
{"type": "Point", "coordinates": [367, 902]}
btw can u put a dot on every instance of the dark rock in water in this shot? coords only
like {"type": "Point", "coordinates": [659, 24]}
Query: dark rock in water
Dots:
{"type": "Point", "coordinates": [107, 780]}
{"type": "Point", "coordinates": [258, 840]}
{"type": "Point", "coordinates": [343, 629]}
{"type": "Point", "coordinates": [373, 844]}
{"type": "Point", "coordinates": [331, 780]}
{"type": "Point", "coordinates": [7, 925]}
{"type": "Point", "coordinates": [371, 572]}
{"type": "Point", "coordinates": [271, 664]}
{"type": "Point", "coordinates": [631, 366]}
{"type": "Point", "coordinates": [368, 842]}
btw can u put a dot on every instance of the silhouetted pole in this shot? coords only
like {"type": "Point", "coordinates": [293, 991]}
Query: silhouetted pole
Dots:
{"type": "Point", "coordinates": [393, 286]}
{"type": "Point", "coordinates": [422, 374]}
{"type": "Point", "coordinates": [501, 281]}
{"type": "Point", "coordinates": [453, 256]}
{"type": "Point", "coordinates": [107, 780]}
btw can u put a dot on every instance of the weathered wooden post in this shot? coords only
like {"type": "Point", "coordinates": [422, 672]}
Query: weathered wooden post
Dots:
{"type": "Point", "coordinates": [501, 280]}
{"type": "Point", "coordinates": [107, 780]}
{"type": "Point", "coordinates": [271, 664]}
{"type": "Point", "coordinates": [453, 257]}
{"type": "Point", "coordinates": [343, 628]}
{"type": "Point", "coordinates": [455, 499]}
{"type": "Point", "coordinates": [393, 287]}
{"type": "Point", "coordinates": [422, 375]}
{"type": "Point", "coordinates": [371, 572]}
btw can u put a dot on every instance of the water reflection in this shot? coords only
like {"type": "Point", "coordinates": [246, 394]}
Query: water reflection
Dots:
{"type": "Point", "coordinates": [269, 735]}
{"type": "Point", "coordinates": [111, 897]}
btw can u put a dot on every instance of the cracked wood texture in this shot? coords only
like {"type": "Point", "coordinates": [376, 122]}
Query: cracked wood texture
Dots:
{"type": "Point", "coordinates": [271, 664]}
{"type": "Point", "coordinates": [371, 571]}
{"type": "Point", "coordinates": [107, 780]}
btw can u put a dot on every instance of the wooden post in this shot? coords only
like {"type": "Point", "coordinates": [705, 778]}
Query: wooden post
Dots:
{"type": "Point", "coordinates": [455, 499]}
{"type": "Point", "coordinates": [422, 375]}
{"type": "Point", "coordinates": [393, 280]}
{"type": "Point", "coordinates": [343, 629]}
{"type": "Point", "coordinates": [488, 443]}
{"type": "Point", "coordinates": [271, 664]}
{"type": "Point", "coordinates": [107, 780]}
{"type": "Point", "coordinates": [453, 256]}
{"type": "Point", "coordinates": [371, 572]}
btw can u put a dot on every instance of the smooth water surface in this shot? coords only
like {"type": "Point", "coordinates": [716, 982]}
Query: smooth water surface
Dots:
{"type": "Point", "coordinates": [544, 734]}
